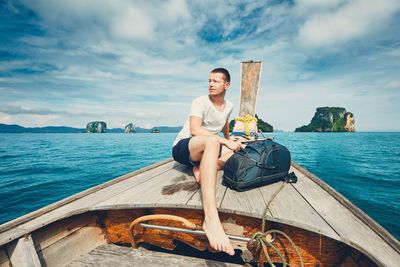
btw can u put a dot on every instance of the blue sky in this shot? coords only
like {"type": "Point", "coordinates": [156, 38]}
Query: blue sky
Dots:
{"type": "Point", "coordinates": [71, 62]}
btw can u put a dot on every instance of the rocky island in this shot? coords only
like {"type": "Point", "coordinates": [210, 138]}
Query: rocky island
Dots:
{"type": "Point", "coordinates": [96, 127]}
{"type": "Point", "coordinates": [330, 119]}
{"type": "Point", "coordinates": [130, 128]}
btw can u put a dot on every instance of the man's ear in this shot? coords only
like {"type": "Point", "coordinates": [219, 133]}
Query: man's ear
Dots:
{"type": "Point", "coordinates": [227, 84]}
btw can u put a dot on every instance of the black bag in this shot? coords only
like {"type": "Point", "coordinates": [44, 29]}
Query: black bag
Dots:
{"type": "Point", "coordinates": [259, 163]}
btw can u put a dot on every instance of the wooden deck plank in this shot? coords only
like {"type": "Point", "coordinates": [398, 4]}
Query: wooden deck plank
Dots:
{"type": "Point", "coordinates": [112, 255]}
{"type": "Point", "coordinates": [351, 229]}
{"type": "Point", "coordinates": [291, 208]}
{"type": "Point", "coordinates": [72, 246]}
{"type": "Point", "coordinates": [4, 260]}
{"type": "Point", "coordinates": [10, 235]}
{"type": "Point", "coordinates": [195, 201]}
{"type": "Point", "coordinates": [171, 189]}
{"type": "Point", "coordinates": [246, 203]}
{"type": "Point", "coordinates": [22, 253]}
{"type": "Point", "coordinates": [83, 204]}
{"type": "Point", "coordinates": [47, 236]}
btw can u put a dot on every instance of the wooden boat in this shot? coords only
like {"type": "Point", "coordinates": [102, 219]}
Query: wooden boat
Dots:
{"type": "Point", "coordinates": [94, 227]}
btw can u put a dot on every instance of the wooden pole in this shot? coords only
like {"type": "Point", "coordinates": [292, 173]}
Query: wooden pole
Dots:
{"type": "Point", "coordinates": [251, 74]}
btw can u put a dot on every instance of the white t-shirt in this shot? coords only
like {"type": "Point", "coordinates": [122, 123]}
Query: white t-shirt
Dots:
{"type": "Point", "coordinates": [212, 119]}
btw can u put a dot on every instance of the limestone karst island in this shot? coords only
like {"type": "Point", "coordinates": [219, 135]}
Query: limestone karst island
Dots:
{"type": "Point", "coordinates": [96, 127]}
{"type": "Point", "coordinates": [330, 119]}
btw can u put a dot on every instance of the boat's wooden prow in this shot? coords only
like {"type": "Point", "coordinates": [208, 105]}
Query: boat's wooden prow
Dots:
{"type": "Point", "coordinates": [326, 231]}
{"type": "Point", "coordinates": [112, 255]}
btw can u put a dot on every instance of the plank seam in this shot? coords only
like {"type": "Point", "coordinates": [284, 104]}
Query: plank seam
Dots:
{"type": "Point", "coordinates": [191, 197]}
{"type": "Point", "coordinates": [317, 212]}
{"type": "Point", "coordinates": [137, 184]}
{"type": "Point", "coordinates": [223, 197]}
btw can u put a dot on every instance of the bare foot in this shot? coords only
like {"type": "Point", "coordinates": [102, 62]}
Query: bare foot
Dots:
{"type": "Point", "coordinates": [217, 237]}
{"type": "Point", "coordinates": [196, 173]}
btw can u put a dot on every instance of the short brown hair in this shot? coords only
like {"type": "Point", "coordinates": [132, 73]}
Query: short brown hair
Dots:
{"type": "Point", "coordinates": [225, 72]}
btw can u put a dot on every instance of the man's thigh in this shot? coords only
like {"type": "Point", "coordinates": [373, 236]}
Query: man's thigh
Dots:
{"type": "Point", "coordinates": [197, 145]}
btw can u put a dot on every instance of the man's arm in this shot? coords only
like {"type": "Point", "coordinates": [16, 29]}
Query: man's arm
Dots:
{"type": "Point", "coordinates": [225, 130]}
{"type": "Point", "coordinates": [196, 129]}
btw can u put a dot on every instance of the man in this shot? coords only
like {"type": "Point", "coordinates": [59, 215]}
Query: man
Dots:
{"type": "Point", "coordinates": [198, 146]}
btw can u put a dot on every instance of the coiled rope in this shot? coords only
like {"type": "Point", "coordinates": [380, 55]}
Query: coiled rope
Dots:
{"type": "Point", "coordinates": [261, 241]}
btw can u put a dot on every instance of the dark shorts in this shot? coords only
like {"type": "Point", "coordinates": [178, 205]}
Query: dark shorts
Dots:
{"type": "Point", "coordinates": [180, 153]}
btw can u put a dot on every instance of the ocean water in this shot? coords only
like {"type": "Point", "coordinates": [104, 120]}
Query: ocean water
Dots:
{"type": "Point", "coordinates": [39, 169]}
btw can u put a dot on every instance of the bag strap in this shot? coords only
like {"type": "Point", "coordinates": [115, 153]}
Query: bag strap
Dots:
{"type": "Point", "coordinates": [252, 148]}
{"type": "Point", "coordinates": [290, 178]}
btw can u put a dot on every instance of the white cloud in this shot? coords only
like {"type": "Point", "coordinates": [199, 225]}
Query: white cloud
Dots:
{"type": "Point", "coordinates": [307, 7]}
{"type": "Point", "coordinates": [143, 61]}
{"type": "Point", "coordinates": [348, 22]}
{"type": "Point", "coordinates": [133, 24]}
{"type": "Point", "coordinates": [394, 84]}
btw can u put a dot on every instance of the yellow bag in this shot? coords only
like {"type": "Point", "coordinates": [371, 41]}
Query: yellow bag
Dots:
{"type": "Point", "coordinates": [246, 125]}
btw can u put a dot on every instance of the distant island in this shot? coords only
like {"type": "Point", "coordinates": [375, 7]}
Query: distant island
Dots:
{"type": "Point", "coordinates": [330, 119]}
{"type": "Point", "coordinates": [13, 128]}
{"type": "Point", "coordinates": [96, 127]}
{"type": "Point", "coordinates": [130, 128]}
{"type": "Point", "coordinates": [262, 126]}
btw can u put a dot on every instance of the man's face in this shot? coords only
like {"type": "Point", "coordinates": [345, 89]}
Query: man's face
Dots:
{"type": "Point", "coordinates": [217, 84]}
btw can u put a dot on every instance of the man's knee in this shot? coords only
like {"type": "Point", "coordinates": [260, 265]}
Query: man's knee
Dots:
{"type": "Point", "coordinates": [212, 142]}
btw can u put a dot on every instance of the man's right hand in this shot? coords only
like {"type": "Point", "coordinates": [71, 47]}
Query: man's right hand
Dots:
{"type": "Point", "coordinates": [235, 146]}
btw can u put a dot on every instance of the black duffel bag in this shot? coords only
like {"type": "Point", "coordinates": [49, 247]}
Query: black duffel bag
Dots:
{"type": "Point", "coordinates": [260, 163]}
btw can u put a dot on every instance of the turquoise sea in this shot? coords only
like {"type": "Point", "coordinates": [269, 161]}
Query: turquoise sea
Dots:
{"type": "Point", "coordinates": [39, 169]}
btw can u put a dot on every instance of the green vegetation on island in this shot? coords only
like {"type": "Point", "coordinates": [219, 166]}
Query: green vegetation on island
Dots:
{"type": "Point", "coordinates": [130, 128]}
{"type": "Point", "coordinates": [330, 119]}
{"type": "Point", "coordinates": [96, 127]}
{"type": "Point", "coordinates": [262, 125]}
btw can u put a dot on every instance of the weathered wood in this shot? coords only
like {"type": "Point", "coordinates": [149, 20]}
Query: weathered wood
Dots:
{"type": "Point", "coordinates": [22, 253]}
{"type": "Point", "coordinates": [112, 255]}
{"type": "Point", "coordinates": [251, 72]}
{"type": "Point", "coordinates": [290, 207]}
{"type": "Point", "coordinates": [72, 246]}
{"type": "Point", "coordinates": [11, 235]}
{"type": "Point", "coordinates": [18, 221]}
{"type": "Point", "coordinates": [314, 248]}
{"type": "Point", "coordinates": [389, 238]}
{"type": "Point", "coordinates": [86, 202]}
{"type": "Point", "coordinates": [350, 228]}
{"type": "Point", "coordinates": [54, 232]}
{"type": "Point", "coordinates": [173, 188]}
{"type": "Point", "coordinates": [4, 260]}
{"type": "Point", "coordinates": [117, 224]}
{"type": "Point", "coordinates": [246, 203]}
{"type": "Point", "coordinates": [172, 185]}
{"type": "Point", "coordinates": [195, 200]}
